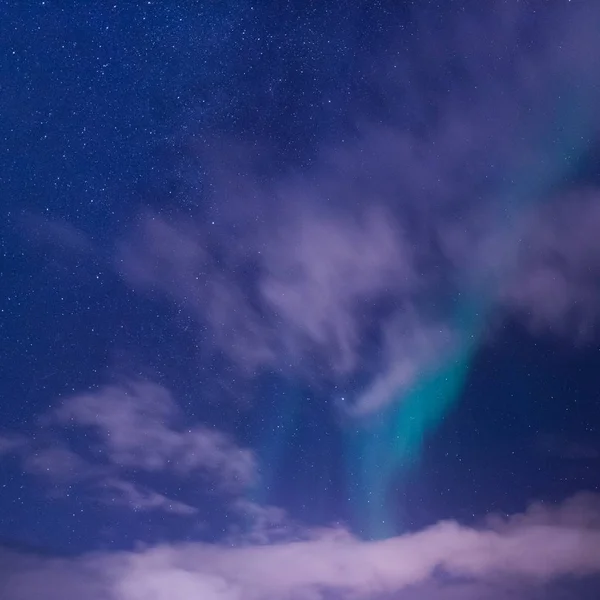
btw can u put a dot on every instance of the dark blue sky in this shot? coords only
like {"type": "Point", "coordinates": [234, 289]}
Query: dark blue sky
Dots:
{"type": "Point", "coordinates": [240, 237]}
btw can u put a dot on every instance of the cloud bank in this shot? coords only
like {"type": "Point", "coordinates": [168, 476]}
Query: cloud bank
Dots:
{"type": "Point", "coordinates": [524, 552]}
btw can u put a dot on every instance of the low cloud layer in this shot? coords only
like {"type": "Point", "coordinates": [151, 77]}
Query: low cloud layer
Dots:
{"type": "Point", "coordinates": [521, 554]}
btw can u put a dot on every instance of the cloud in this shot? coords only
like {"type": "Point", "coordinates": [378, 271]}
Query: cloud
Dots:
{"type": "Point", "coordinates": [580, 512]}
{"type": "Point", "coordinates": [139, 425]}
{"type": "Point", "coordinates": [173, 259]}
{"type": "Point", "coordinates": [354, 269]}
{"type": "Point", "coordinates": [423, 346]}
{"type": "Point", "coordinates": [523, 552]}
{"type": "Point", "coordinates": [263, 524]}
{"type": "Point", "coordinates": [143, 499]}
{"type": "Point", "coordinates": [56, 232]}
{"type": "Point", "coordinates": [11, 443]}
{"type": "Point", "coordinates": [320, 271]}
{"type": "Point", "coordinates": [56, 463]}
{"type": "Point", "coordinates": [394, 227]}
{"type": "Point", "coordinates": [581, 448]}
{"type": "Point", "coordinates": [321, 279]}
{"type": "Point", "coordinates": [557, 282]}
{"type": "Point", "coordinates": [48, 458]}
{"type": "Point", "coordinates": [316, 273]}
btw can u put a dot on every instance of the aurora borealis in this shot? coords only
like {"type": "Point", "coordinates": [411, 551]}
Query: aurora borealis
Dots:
{"type": "Point", "coordinates": [300, 300]}
{"type": "Point", "coordinates": [391, 442]}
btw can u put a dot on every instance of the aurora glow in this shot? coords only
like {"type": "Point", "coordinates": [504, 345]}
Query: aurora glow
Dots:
{"type": "Point", "coordinates": [388, 444]}
{"type": "Point", "coordinates": [300, 300]}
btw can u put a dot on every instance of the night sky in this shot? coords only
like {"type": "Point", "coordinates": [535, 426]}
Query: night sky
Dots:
{"type": "Point", "coordinates": [300, 300]}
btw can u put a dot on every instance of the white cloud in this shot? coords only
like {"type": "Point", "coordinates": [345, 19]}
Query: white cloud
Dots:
{"type": "Point", "coordinates": [531, 549]}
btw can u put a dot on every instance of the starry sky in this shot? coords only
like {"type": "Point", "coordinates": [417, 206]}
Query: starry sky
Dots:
{"type": "Point", "coordinates": [300, 300]}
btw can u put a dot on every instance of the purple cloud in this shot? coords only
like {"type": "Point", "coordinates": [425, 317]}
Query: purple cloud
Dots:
{"type": "Point", "coordinates": [138, 426]}
{"type": "Point", "coordinates": [56, 463]}
{"type": "Point", "coordinates": [389, 229]}
{"type": "Point", "coordinates": [522, 553]}
{"type": "Point", "coordinates": [11, 443]}
{"type": "Point", "coordinates": [142, 499]}
{"type": "Point", "coordinates": [137, 423]}
{"type": "Point", "coordinates": [56, 232]}
{"type": "Point", "coordinates": [322, 270]}
{"type": "Point", "coordinates": [556, 285]}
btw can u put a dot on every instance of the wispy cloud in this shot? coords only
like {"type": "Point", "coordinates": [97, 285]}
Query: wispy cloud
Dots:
{"type": "Point", "coordinates": [11, 443]}
{"type": "Point", "coordinates": [391, 229]}
{"type": "Point", "coordinates": [48, 457]}
{"type": "Point", "coordinates": [142, 499]}
{"type": "Point", "coordinates": [56, 232]}
{"type": "Point", "coordinates": [56, 463]}
{"type": "Point", "coordinates": [262, 524]}
{"type": "Point", "coordinates": [556, 285]}
{"type": "Point", "coordinates": [137, 424]}
{"type": "Point", "coordinates": [584, 448]}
